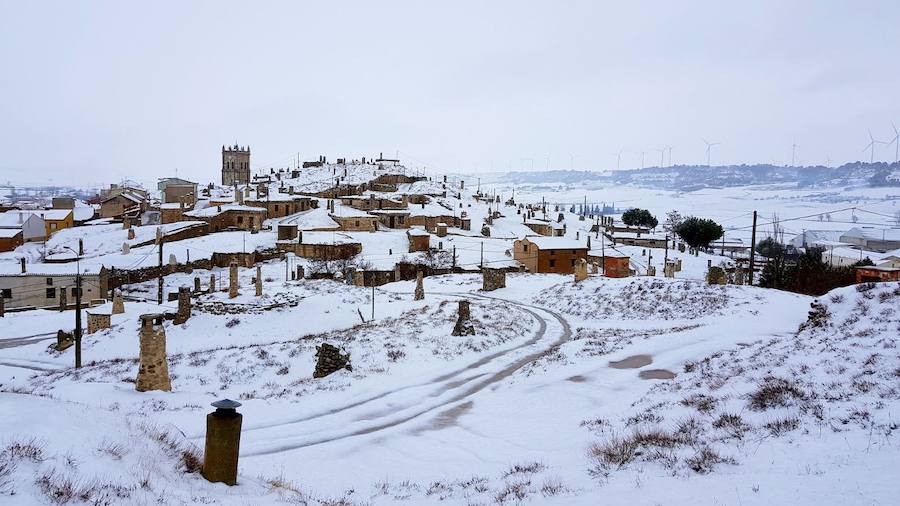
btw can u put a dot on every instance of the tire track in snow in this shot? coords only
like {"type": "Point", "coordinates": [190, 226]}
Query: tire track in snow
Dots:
{"type": "Point", "coordinates": [392, 416]}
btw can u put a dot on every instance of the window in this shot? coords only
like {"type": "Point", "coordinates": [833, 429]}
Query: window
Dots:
{"type": "Point", "coordinates": [573, 262]}
{"type": "Point", "coordinates": [525, 248]}
{"type": "Point", "coordinates": [553, 252]}
{"type": "Point", "coordinates": [400, 219]}
{"type": "Point", "coordinates": [49, 281]}
{"type": "Point", "coordinates": [53, 226]}
{"type": "Point", "coordinates": [552, 263]}
{"type": "Point", "coordinates": [51, 293]}
{"type": "Point", "coordinates": [74, 291]}
{"type": "Point", "coordinates": [357, 223]}
{"type": "Point", "coordinates": [7, 293]}
{"type": "Point", "coordinates": [276, 208]}
{"type": "Point", "coordinates": [240, 220]}
{"type": "Point", "coordinates": [573, 252]}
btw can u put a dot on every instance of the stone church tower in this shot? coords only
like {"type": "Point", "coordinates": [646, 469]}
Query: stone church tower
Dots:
{"type": "Point", "coordinates": [235, 165]}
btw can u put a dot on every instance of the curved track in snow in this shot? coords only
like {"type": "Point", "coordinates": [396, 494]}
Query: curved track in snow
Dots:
{"type": "Point", "coordinates": [398, 406]}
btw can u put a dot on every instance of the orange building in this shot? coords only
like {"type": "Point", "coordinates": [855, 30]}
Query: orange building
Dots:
{"type": "Point", "coordinates": [555, 255]}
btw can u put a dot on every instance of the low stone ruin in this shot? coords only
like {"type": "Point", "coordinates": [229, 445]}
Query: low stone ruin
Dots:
{"type": "Point", "coordinates": [420, 288]}
{"type": "Point", "coordinates": [817, 316]}
{"type": "Point", "coordinates": [329, 360]}
{"type": "Point", "coordinates": [492, 279]}
{"type": "Point", "coordinates": [716, 276]}
{"type": "Point", "coordinates": [463, 325]}
{"type": "Point", "coordinates": [64, 340]}
{"type": "Point", "coordinates": [98, 321]}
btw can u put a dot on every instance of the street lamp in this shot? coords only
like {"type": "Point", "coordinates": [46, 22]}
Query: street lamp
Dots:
{"type": "Point", "coordinates": [77, 307]}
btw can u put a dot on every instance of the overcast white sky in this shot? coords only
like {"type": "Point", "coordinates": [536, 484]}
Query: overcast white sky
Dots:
{"type": "Point", "coordinates": [91, 92]}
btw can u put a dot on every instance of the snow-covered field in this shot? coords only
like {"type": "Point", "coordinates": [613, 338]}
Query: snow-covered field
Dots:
{"type": "Point", "coordinates": [609, 391]}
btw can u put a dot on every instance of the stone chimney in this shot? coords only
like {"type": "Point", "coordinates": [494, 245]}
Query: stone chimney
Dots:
{"type": "Point", "coordinates": [184, 305]}
{"type": "Point", "coordinates": [232, 280]}
{"type": "Point", "coordinates": [118, 306]}
{"type": "Point", "coordinates": [153, 373]}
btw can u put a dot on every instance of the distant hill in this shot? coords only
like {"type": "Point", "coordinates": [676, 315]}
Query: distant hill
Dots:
{"type": "Point", "coordinates": [690, 177]}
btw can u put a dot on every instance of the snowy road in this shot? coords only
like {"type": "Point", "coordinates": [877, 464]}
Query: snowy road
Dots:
{"type": "Point", "coordinates": [14, 342]}
{"type": "Point", "coordinates": [446, 396]}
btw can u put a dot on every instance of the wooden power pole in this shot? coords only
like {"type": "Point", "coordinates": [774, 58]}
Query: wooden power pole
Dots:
{"type": "Point", "coordinates": [752, 249]}
{"type": "Point", "coordinates": [159, 287]}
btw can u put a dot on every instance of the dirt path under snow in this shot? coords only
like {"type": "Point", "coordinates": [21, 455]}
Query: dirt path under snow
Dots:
{"type": "Point", "coordinates": [401, 405]}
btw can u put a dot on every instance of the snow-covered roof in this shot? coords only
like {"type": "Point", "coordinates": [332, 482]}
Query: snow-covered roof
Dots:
{"type": "Point", "coordinates": [820, 237]}
{"type": "Point", "coordinates": [82, 213]}
{"type": "Point", "coordinates": [13, 219]}
{"type": "Point", "coordinates": [608, 252]}
{"type": "Point", "coordinates": [417, 232]}
{"type": "Point", "coordinates": [872, 233]}
{"type": "Point", "coordinates": [327, 238]}
{"type": "Point", "coordinates": [211, 211]}
{"type": "Point", "coordinates": [8, 233]}
{"type": "Point", "coordinates": [128, 195]}
{"type": "Point", "coordinates": [47, 214]}
{"type": "Point", "coordinates": [544, 242]}
{"type": "Point", "coordinates": [641, 235]}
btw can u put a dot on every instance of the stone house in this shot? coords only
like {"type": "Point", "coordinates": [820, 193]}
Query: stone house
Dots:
{"type": "Point", "coordinates": [123, 203]}
{"type": "Point", "coordinates": [362, 222]}
{"type": "Point", "coordinates": [279, 205]}
{"type": "Point", "coordinates": [555, 255]}
{"type": "Point", "coordinates": [42, 287]}
{"type": "Point", "coordinates": [180, 193]}
{"type": "Point", "coordinates": [172, 212]}
{"type": "Point", "coordinates": [642, 239]}
{"type": "Point", "coordinates": [233, 217]}
{"type": "Point", "coordinates": [545, 228]}
{"type": "Point", "coordinates": [392, 218]}
{"type": "Point", "coordinates": [419, 240]}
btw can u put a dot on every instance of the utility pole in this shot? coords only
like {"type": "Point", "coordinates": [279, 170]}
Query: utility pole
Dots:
{"type": "Point", "coordinates": [666, 257]}
{"type": "Point", "coordinates": [159, 287]}
{"type": "Point", "coordinates": [373, 302]}
{"type": "Point", "coordinates": [78, 319]}
{"type": "Point", "coordinates": [482, 255]}
{"type": "Point", "coordinates": [454, 259]}
{"type": "Point", "coordinates": [752, 248]}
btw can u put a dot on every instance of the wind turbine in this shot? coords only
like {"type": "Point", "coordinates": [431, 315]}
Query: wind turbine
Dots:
{"type": "Point", "coordinates": [871, 146]}
{"type": "Point", "coordinates": [669, 147]}
{"type": "Point", "coordinates": [662, 157]}
{"type": "Point", "coordinates": [642, 159]}
{"type": "Point", "coordinates": [709, 146]}
{"type": "Point", "coordinates": [896, 142]}
{"type": "Point", "coordinates": [618, 158]}
{"type": "Point", "coordinates": [793, 154]}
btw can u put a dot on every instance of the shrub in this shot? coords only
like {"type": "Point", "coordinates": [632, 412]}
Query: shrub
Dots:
{"type": "Point", "coordinates": [775, 392]}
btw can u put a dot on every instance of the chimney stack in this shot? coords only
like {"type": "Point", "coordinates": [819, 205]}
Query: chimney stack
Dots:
{"type": "Point", "coordinates": [22, 263]}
